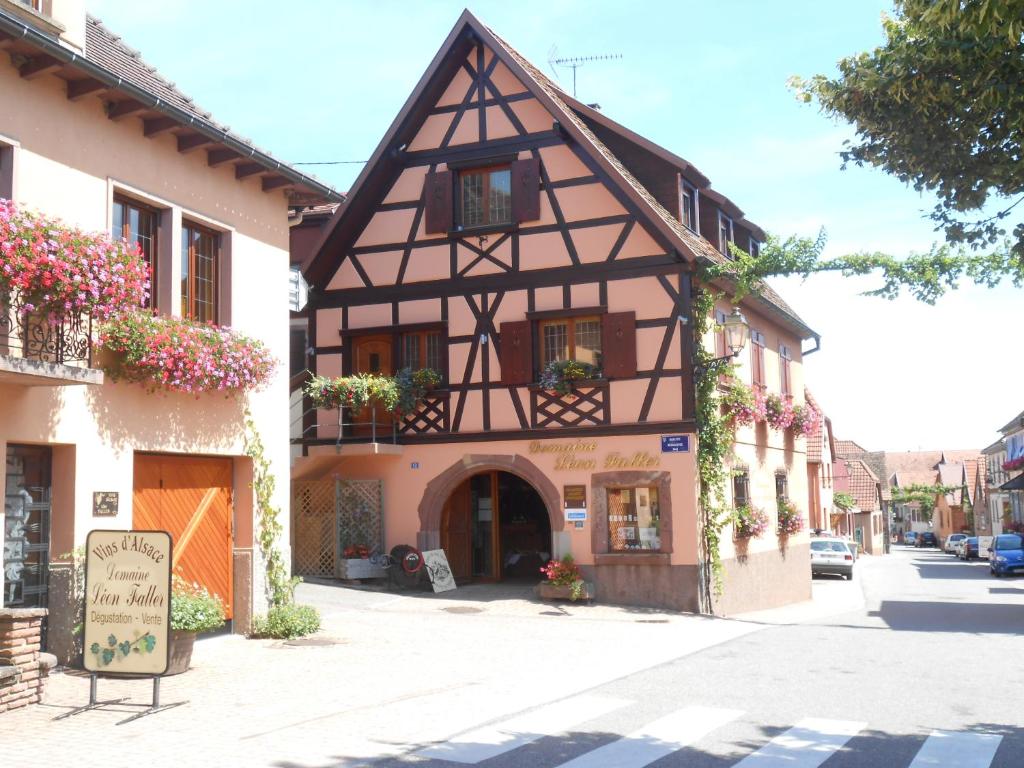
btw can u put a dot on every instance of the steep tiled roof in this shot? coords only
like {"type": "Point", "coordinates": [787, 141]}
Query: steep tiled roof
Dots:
{"type": "Point", "coordinates": [698, 246]}
{"type": "Point", "coordinates": [923, 460]}
{"type": "Point", "coordinates": [816, 440]}
{"type": "Point", "coordinates": [863, 485]}
{"type": "Point", "coordinates": [846, 448]}
{"type": "Point", "coordinates": [905, 478]}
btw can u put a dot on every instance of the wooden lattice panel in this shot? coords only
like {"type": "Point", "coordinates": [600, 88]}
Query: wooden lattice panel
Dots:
{"type": "Point", "coordinates": [585, 406]}
{"type": "Point", "coordinates": [360, 514]}
{"type": "Point", "coordinates": [313, 527]}
{"type": "Point", "coordinates": [430, 416]}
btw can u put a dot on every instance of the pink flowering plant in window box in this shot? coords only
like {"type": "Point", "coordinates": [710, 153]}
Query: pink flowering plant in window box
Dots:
{"type": "Point", "coordinates": [183, 355]}
{"type": "Point", "coordinates": [749, 522]}
{"type": "Point", "coordinates": [806, 419]}
{"type": "Point", "coordinates": [778, 411]}
{"type": "Point", "coordinates": [60, 271]}
{"type": "Point", "coordinates": [790, 519]}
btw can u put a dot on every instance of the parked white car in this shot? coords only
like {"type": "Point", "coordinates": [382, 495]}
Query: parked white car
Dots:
{"type": "Point", "coordinates": [949, 545]}
{"type": "Point", "coordinates": [831, 556]}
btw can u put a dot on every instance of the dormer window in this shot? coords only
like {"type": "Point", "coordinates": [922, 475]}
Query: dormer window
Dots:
{"type": "Point", "coordinates": [725, 233]}
{"type": "Point", "coordinates": [486, 196]}
{"type": "Point", "coordinates": [688, 206]}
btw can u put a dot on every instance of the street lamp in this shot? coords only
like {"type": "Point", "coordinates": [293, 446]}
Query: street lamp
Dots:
{"type": "Point", "coordinates": [736, 331]}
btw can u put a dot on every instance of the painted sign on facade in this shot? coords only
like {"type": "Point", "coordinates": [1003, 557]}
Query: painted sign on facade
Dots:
{"type": "Point", "coordinates": [127, 602]}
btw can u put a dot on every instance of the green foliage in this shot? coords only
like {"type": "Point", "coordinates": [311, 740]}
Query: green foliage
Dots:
{"type": "Point", "coordinates": [844, 501]}
{"type": "Point", "coordinates": [559, 375]}
{"type": "Point", "coordinates": [287, 622]}
{"type": "Point", "coordinates": [399, 394]}
{"type": "Point", "coordinates": [194, 608]}
{"type": "Point", "coordinates": [280, 586]}
{"type": "Point", "coordinates": [940, 106]}
{"type": "Point", "coordinates": [714, 442]}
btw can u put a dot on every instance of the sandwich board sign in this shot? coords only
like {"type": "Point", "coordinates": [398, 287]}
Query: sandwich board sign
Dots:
{"type": "Point", "coordinates": [127, 602]}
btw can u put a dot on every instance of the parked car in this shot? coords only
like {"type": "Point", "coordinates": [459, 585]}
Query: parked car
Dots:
{"type": "Point", "coordinates": [926, 539]}
{"type": "Point", "coordinates": [958, 548]}
{"type": "Point", "coordinates": [1007, 554]}
{"type": "Point", "coordinates": [910, 538]}
{"type": "Point", "coordinates": [831, 556]}
{"type": "Point", "coordinates": [949, 545]}
{"type": "Point", "coordinates": [968, 549]}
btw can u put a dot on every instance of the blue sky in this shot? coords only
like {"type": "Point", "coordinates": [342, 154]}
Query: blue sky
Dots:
{"type": "Point", "coordinates": [322, 80]}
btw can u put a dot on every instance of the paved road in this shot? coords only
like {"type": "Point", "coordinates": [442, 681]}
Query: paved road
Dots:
{"type": "Point", "coordinates": [927, 673]}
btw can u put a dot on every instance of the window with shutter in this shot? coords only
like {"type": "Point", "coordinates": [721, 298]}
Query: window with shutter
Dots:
{"type": "Point", "coordinates": [785, 370]}
{"type": "Point", "coordinates": [757, 344]}
{"type": "Point", "coordinates": [437, 199]}
{"type": "Point", "coordinates": [619, 344]}
{"type": "Point", "coordinates": [485, 197]}
{"type": "Point", "coordinates": [516, 356]}
{"type": "Point", "coordinates": [526, 190]}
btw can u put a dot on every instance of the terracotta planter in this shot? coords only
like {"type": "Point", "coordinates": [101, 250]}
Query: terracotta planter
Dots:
{"type": "Point", "coordinates": [548, 591]}
{"type": "Point", "coordinates": [180, 652]}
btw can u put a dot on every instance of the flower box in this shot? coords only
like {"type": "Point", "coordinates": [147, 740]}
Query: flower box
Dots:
{"type": "Point", "coordinates": [359, 568]}
{"type": "Point", "coordinates": [548, 591]}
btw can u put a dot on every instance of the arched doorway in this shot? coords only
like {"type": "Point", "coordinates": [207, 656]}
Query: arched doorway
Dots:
{"type": "Point", "coordinates": [494, 526]}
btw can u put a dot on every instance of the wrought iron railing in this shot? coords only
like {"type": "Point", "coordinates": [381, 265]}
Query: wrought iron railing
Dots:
{"type": "Point", "coordinates": [44, 337]}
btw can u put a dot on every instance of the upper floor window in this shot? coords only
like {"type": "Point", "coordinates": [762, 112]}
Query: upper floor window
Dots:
{"type": "Point", "coordinates": [688, 205]}
{"type": "Point", "coordinates": [423, 349]}
{"type": "Point", "coordinates": [740, 488]}
{"type": "Point", "coordinates": [757, 345]}
{"type": "Point", "coordinates": [138, 224]}
{"type": "Point", "coordinates": [725, 233]}
{"type": "Point", "coordinates": [571, 338]}
{"type": "Point", "coordinates": [200, 250]}
{"type": "Point", "coordinates": [496, 195]}
{"type": "Point", "coordinates": [485, 196]}
{"type": "Point", "coordinates": [755, 248]}
{"type": "Point", "coordinates": [781, 487]}
{"type": "Point", "coordinates": [785, 370]}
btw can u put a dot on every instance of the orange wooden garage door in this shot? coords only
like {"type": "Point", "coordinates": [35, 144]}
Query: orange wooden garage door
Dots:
{"type": "Point", "coordinates": [190, 498]}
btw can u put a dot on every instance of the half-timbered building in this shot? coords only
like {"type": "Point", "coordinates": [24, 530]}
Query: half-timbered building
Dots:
{"type": "Point", "coordinates": [499, 226]}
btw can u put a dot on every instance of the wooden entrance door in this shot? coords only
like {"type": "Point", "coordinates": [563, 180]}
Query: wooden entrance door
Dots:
{"type": "Point", "coordinates": [189, 497]}
{"type": "Point", "coordinates": [457, 531]}
{"type": "Point", "coordinates": [373, 354]}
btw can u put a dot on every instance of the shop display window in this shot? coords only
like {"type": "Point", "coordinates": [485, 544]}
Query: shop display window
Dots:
{"type": "Point", "coordinates": [634, 520]}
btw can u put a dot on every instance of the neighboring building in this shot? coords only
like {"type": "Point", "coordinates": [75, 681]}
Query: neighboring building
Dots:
{"type": "Point", "coordinates": [1013, 465]}
{"type": "Point", "coordinates": [820, 480]}
{"type": "Point", "coordinates": [998, 500]}
{"type": "Point", "coordinates": [501, 226]}
{"type": "Point", "coordinates": [865, 524]}
{"type": "Point", "coordinates": [874, 462]}
{"type": "Point", "coordinates": [93, 135]}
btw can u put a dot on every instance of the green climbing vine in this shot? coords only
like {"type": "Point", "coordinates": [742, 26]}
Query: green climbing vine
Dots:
{"type": "Point", "coordinates": [280, 585]}
{"type": "Point", "coordinates": [714, 443]}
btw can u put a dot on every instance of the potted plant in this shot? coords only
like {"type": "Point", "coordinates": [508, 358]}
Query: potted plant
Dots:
{"type": "Point", "coordinates": [559, 376]}
{"type": "Point", "coordinates": [778, 411]}
{"type": "Point", "coordinates": [193, 610]}
{"type": "Point", "coordinates": [564, 581]}
{"type": "Point", "coordinates": [749, 522]}
{"type": "Point", "coordinates": [790, 519]}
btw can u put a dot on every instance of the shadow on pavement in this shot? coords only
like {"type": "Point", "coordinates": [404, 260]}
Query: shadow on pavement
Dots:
{"type": "Point", "coordinates": [906, 616]}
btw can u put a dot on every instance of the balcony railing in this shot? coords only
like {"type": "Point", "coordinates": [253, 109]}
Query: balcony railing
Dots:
{"type": "Point", "coordinates": [375, 425]}
{"type": "Point", "coordinates": [43, 337]}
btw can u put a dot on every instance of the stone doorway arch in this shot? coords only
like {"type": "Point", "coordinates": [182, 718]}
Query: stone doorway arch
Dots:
{"type": "Point", "coordinates": [441, 487]}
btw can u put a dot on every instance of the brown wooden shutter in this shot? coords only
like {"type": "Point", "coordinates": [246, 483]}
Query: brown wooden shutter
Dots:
{"type": "Point", "coordinates": [438, 199]}
{"type": "Point", "coordinates": [516, 352]}
{"type": "Point", "coordinates": [618, 344]}
{"type": "Point", "coordinates": [720, 350]}
{"type": "Point", "coordinates": [526, 189]}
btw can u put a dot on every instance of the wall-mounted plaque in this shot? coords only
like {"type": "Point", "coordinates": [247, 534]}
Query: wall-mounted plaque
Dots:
{"type": "Point", "coordinates": [127, 602]}
{"type": "Point", "coordinates": [574, 499]}
{"type": "Point", "coordinates": [104, 503]}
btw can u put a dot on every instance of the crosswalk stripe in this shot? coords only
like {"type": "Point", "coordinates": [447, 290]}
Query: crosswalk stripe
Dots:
{"type": "Point", "coordinates": [962, 749]}
{"type": "Point", "coordinates": [657, 739]}
{"type": "Point", "coordinates": [493, 740]}
{"type": "Point", "coordinates": [808, 744]}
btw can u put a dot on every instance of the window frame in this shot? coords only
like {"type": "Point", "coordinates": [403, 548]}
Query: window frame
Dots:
{"type": "Point", "coordinates": [618, 488]}
{"type": "Point", "coordinates": [485, 171]}
{"type": "Point", "coordinates": [740, 479]}
{"type": "Point", "coordinates": [422, 351]}
{"type": "Point", "coordinates": [785, 371]}
{"type": "Point", "coordinates": [757, 347]}
{"type": "Point", "coordinates": [570, 323]}
{"type": "Point", "coordinates": [688, 192]}
{"type": "Point", "coordinates": [397, 334]}
{"type": "Point", "coordinates": [127, 202]}
{"type": "Point", "coordinates": [723, 246]}
{"type": "Point", "coordinates": [782, 497]}
{"type": "Point", "coordinates": [188, 298]}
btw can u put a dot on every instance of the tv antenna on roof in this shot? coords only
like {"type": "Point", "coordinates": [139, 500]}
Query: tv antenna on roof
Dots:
{"type": "Point", "coordinates": [575, 62]}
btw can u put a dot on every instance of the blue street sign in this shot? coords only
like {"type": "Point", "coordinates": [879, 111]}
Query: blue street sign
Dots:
{"type": "Point", "coordinates": [675, 443]}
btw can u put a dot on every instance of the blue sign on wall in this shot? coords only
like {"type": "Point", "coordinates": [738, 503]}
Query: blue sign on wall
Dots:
{"type": "Point", "coordinates": [675, 443]}
{"type": "Point", "coordinates": [576, 515]}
